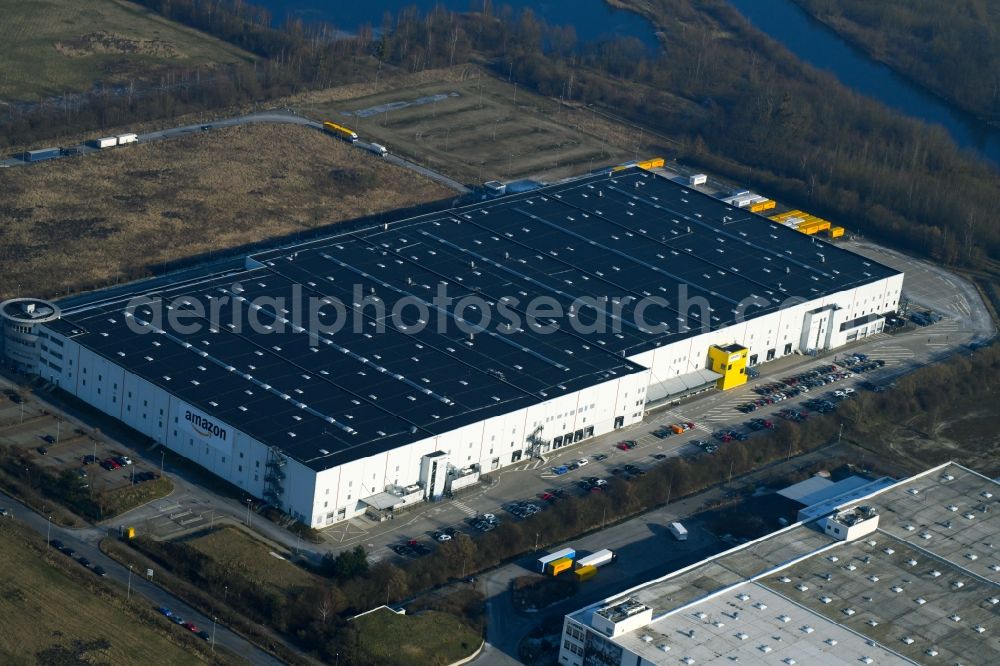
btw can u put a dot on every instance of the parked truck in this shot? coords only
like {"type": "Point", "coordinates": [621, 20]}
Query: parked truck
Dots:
{"type": "Point", "coordinates": [679, 531]}
{"type": "Point", "coordinates": [598, 559]}
{"type": "Point", "coordinates": [340, 131]}
{"type": "Point", "coordinates": [104, 142]}
{"type": "Point", "coordinates": [567, 553]}
{"type": "Point", "coordinates": [40, 154]}
{"type": "Point", "coordinates": [378, 149]}
{"type": "Point", "coordinates": [127, 138]}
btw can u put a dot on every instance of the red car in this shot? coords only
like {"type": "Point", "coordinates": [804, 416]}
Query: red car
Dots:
{"type": "Point", "coordinates": [548, 497]}
{"type": "Point", "coordinates": [622, 445]}
{"type": "Point", "coordinates": [190, 626]}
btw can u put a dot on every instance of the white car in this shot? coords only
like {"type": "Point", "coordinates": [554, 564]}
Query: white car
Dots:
{"type": "Point", "coordinates": [848, 390]}
{"type": "Point", "coordinates": [489, 517]}
{"type": "Point", "coordinates": [582, 461]}
{"type": "Point", "coordinates": [125, 460]}
{"type": "Point", "coordinates": [443, 537]}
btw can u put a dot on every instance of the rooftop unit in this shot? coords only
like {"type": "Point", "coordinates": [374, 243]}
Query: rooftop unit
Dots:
{"type": "Point", "coordinates": [622, 617]}
{"type": "Point", "coordinates": [851, 524]}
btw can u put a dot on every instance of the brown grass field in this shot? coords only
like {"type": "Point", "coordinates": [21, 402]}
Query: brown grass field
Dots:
{"type": "Point", "coordinates": [81, 223]}
{"type": "Point", "coordinates": [55, 46]}
{"type": "Point", "coordinates": [237, 551]}
{"type": "Point", "coordinates": [53, 613]}
{"type": "Point", "coordinates": [475, 131]}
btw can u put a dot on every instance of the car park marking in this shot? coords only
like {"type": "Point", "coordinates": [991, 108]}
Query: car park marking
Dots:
{"type": "Point", "coordinates": [464, 508]}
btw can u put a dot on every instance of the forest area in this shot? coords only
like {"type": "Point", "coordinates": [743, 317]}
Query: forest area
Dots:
{"type": "Point", "coordinates": [950, 48]}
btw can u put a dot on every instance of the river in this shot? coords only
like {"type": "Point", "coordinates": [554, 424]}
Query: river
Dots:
{"type": "Point", "coordinates": [813, 42]}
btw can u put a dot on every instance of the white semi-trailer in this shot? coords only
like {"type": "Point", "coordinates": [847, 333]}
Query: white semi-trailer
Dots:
{"type": "Point", "coordinates": [679, 531]}
{"type": "Point", "coordinates": [598, 559]}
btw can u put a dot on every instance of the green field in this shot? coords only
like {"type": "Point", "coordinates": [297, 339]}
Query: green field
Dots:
{"type": "Point", "coordinates": [51, 617]}
{"type": "Point", "coordinates": [428, 638]}
{"type": "Point", "coordinates": [51, 47]}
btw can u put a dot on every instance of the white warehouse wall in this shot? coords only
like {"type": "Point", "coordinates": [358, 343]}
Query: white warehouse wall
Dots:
{"type": "Point", "coordinates": [771, 331]}
{"type": "Point", "coordinates": [322, 498]}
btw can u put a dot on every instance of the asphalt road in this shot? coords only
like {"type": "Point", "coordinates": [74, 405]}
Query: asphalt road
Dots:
{"type": "Point", "coordinates": [280, 117]}
{"type": "Point", "coordinates": [85, 541]}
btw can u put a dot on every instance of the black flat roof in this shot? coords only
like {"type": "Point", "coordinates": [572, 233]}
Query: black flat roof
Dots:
{"type": "Point", "coordinates": [335, 397]}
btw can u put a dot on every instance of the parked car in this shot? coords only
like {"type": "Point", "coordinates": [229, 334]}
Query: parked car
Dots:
{"type": "Point", "coordinates": [165, 611]}
{"type": "Point", "coordinates": [84, 561]}
{"type": "Point", "coordinates": [450, 531]}
{"type": "Point", "coordinates": [190, 626]}
{"type": "Point", "coordinates": [42, 451]}
{"type": "Point", "coordinates": [99, 570]}
{"type": "Point", "coordinates": [600, 457]}
{"type": "Point", "coordinates": [57, 544]}
{"type": "Point", "coordinates": [204, 634]}
{"type": "Point", "coordinates": [582, 461]}
{"type": "Point", "coordinates": [49, 439]}
{"type": "Point", "coordinates": [659, 456]}
{"type": "Point", "coordinates": [561, 469]}
{"type": "Point", "coordinates": [123, 460]}
{"type": "Point", "coordinates": [441, 536]}
{"type": "Point", "coordinates": [88, 459]}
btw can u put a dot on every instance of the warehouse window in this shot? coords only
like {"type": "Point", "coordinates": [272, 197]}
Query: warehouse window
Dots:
{"type": "Point", "coordinates": [240, 468]}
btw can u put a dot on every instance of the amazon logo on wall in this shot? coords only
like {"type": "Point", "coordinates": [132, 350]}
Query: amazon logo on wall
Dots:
{"type": "Point", "coordinates": [205, 428]}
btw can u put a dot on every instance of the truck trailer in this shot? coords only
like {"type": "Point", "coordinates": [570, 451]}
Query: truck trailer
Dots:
{"type": "Point", "coordinates": [679, 531]}
{"type": "Point", "coordinates": [104, 142]}
{"type": "Point", "coordinates": [598, 559]}
{"type": "Point", "coordinates": [543, 562]}
{"type": "Point", "coordinates": [556, 567]}
{"type": "Point", "coordinates": [344, 133]}
{"type": "Point", "coordinates": [41, 154]}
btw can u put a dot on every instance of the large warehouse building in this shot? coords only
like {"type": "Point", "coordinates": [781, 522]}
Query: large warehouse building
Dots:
{"type": "Point", "coordinates": [382, 366]}
{"type": "Point", "coordinates": [909, 574]}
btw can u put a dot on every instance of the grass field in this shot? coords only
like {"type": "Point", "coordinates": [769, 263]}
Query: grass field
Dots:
{"type": "Point", "coordinates": [428, 638]}
{"type": "Point", "coordinates": [51, 617]}
{"type": "Point", "coordinates": [91, 221]}
{"type": "Point", "coordinates": [468, 125]}
{"type": "Point", "coordinates": [237, 551]}
{"type": "Point", "coordinates": [50, 47]}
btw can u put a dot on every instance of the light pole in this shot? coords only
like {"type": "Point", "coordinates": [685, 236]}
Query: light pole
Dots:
{"type": "Point", "coordinates": [248, 511]}
{"type": "Point", "coordinates": [58, 429]}
{"type": "Point", "coordinates": [537, 535]}
{"type": "Point", "coordinates": [213, 633]}
{"type": "Point", "coordinates": [163, 455]}
{"type": "Point", "coordinates": [128, 594]}
{"type": "Point", "coordinates": [48, 533]}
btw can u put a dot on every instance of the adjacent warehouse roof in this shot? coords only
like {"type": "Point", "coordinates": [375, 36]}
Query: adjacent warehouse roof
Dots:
{"type": "Point", "coordinates": [923, 588]}
{"type": "Point", "coordinates": [356, 392]}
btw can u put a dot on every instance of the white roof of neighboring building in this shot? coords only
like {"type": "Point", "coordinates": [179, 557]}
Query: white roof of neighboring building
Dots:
{"type": "Point", "coordinates": [837, 489]}
{"type": "Point", "coordinates": [797, 491]}
{"type": "Point", "coordinates": [927, 581]}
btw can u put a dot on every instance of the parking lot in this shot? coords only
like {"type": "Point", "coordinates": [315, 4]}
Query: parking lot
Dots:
{"type": "Point", "coordinates": [55, 444]}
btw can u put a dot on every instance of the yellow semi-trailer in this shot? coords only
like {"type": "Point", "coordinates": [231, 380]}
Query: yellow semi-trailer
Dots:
{"type": "Point", "coordinates": [344, 133]}
{"type": "Point", "coordinates": [556, 567]}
